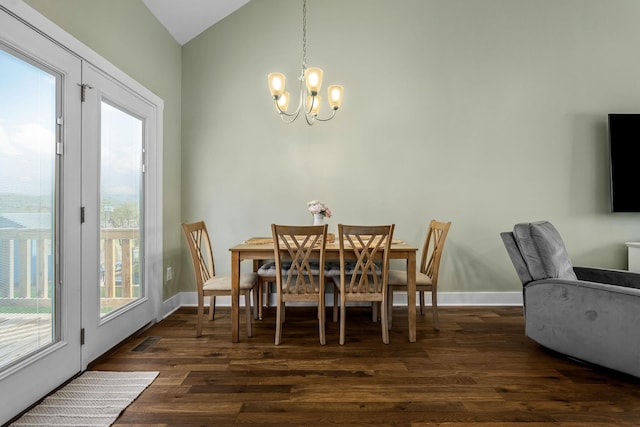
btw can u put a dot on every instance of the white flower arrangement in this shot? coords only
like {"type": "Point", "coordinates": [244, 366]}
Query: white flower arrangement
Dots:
{"type": "Point", "coordinates": [317, 207]}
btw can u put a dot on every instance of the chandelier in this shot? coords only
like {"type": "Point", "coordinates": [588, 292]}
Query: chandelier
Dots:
{"type": "Point", "coordinates": [310, 83]}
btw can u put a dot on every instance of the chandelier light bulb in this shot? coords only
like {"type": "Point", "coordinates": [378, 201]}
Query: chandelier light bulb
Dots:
{"type": "Point", "coordinates": [283, 102]}
{"type": "Point", "coordinates": [335, 96]}
{"type": "Point", "coordinates": [276, 83]}
{"type": "Point", "coordinates": [313, 77]}
{"type": "Point", "coordinates": [313, 104]}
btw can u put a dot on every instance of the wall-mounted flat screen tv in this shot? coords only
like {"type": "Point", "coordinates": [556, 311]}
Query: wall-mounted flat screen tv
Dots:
{"type": "Point", "coordinates": [624, 150]}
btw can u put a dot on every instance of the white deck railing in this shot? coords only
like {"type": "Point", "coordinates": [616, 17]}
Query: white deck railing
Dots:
{"type": "Point", "coordinates": [27, 259]}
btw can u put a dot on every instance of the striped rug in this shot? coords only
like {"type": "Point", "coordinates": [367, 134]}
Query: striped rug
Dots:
{"type": "Point", "coordinates": [95, 398]}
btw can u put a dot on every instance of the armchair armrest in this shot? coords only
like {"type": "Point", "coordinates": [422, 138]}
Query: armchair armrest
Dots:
{"type": "Point", "coordinates": [590, 321]}
{"type": "Point", "coordinates": [613, 277]}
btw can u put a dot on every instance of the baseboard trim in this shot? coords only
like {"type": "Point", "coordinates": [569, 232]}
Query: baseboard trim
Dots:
{"type": "Point", "coordinates": [190, 299]}
{"type": "Point", "coordinates": [467, 298]}
{"type": "Point", "coordinates": [172, 304]}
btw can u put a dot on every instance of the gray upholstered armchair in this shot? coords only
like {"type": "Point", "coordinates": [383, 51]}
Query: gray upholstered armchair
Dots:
{"type": "Point", "coordinates": [589, 314]}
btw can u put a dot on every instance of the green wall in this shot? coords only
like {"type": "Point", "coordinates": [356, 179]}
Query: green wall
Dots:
{"type": "Point", "coordinates": [482, 112]}
{"type": "Point", "coordinates": [129, 36]}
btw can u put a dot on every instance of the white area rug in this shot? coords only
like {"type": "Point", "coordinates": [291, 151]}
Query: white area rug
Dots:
{"type": "Point", "coordinates": [95, 398]}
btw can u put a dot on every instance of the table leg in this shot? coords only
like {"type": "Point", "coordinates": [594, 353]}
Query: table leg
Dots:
{"type": "Point", "coordinates": [235, 296]}
{"type": "Point", "coordinates": [411, 295]}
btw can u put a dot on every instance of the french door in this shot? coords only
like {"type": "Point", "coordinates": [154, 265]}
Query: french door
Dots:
{"type": "Point", "coordinates": [40, 127]}
{"type": "Point", "coordinates": [80, 207]}
{"type": "Point", "coordinates": [118, 126]}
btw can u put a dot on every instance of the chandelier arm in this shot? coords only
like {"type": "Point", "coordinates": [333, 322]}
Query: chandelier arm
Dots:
{"type": "Point", "coordinates": [308, 108]}
{"type": "Point", "coordinates": [283, 113]}
{"type": "Point", "coordinates": [333, 113]}
{"type": "Point", "coordinates": [295, 113]}
{"type": "Point", "coordinates": [310, 118]}
{"type": "Point", "coordinates": [289, 118]}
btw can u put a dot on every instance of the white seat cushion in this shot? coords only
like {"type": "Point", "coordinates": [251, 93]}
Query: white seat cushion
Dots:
{"type": "Point", "coordinates": [399, 277]}
{"type": "Point", "coordinates": [223, 283]}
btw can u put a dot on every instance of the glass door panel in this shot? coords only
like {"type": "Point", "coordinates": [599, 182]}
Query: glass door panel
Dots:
{"type": "Point", "coordinates": [40, 239]}
{"type": "Point", "coordinates": [116, 130]}
{"type": "Point", "coordinates": [28, 166]}
{"type": "Point", "coordinates": [121, 192]}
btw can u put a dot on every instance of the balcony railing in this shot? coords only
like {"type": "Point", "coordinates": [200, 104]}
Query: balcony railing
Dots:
{"type": "Point", "coordinates": [27, 285]}
{"type": "Point", "coordinates": [120, 268]}
{"type": "Point", "coordinates": [27, 264]}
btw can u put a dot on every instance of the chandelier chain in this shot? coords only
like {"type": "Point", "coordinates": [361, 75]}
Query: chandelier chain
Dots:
{"type": "Point", "coordinates": [304, 35]}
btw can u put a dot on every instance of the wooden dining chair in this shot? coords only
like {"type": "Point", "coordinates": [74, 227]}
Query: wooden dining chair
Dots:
{"type": "Point", "coordinates": [299, 253]}
{"type": "Point", "coordinates": [207, 283]}
{"type": "Point", "coordinates": [427, 276]}
{"type": "Point", "coordinates": [365, 279]}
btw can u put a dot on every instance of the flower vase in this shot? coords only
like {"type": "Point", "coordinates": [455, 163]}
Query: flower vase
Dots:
{"type": "Point", "coordinates": [318, 219]}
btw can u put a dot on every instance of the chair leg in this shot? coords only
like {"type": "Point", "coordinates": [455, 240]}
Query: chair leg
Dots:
{"type": "Point", "coordinates": [247, 303]}
{"type": "Point", "coordinates": [258, 300]}
{"type": "Point", "coordinates": [257, 303]}
{"type": "Point", "coordinates": [200, 315]}
{"type": "Point", "coordinates": [212, 307]}
{"type": "Point", "coordinates": [321, 319]}
{"type": "Point", "coordinates": [434, 307]}
{"type": "Point", "coordinates": [279, 308]}
{"type": "Point", "coordinates": [343, 316]}
{"type": "Point", "coordinates": [267, 302]}
{"type": "Point", "coordinates": [336, 302]}
{"type": "Point", "coordinates": [384, 321]}
{"type": "Point", "coordinates": [422, 303]}
{"type": "Point", "coordinates": [390, 307]}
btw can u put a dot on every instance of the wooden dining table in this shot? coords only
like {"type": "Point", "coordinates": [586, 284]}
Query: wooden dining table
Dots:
{"type": "Point", "coordinates": [261, 248]}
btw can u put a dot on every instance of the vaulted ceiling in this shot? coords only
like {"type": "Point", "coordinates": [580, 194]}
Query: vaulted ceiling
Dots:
{"type": "Point", "coordinates": [185, 19]}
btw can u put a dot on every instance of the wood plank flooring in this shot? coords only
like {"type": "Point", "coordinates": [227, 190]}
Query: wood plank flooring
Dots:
{"type": "Point", "coordinates": [479, 369]}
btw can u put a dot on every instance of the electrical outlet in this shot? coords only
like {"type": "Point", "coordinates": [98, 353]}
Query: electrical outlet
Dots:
{"type": "Point", "coordinates": [169, 273]}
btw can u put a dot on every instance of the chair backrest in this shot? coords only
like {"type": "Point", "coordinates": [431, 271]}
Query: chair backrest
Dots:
{"type": "Point", "coordinates": [200, 249]}
{"type": "Point", "coordinates": [432, 250]}
{"type": "Point", "coordinates": [509, 240]}
{"type": "Point", "coordinates": [368, 244]}
{"type": "Point", "coordinates": [538, 252]}
{"type": "Point", "coordinates": [299, 257]}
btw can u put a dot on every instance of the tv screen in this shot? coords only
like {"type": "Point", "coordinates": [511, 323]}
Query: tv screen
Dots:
{"type": "Point", "coordinates": [624, 149]}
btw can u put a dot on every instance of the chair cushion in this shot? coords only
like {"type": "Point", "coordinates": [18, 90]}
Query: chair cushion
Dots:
{"type": "Point", "coordinates": [543, 251]}
{"type": "Point", "coordinates": [268, 270]}
{"type": "Point", "coordinates": [349, 277]}
{"type": "Point", "coordinates": [334, 269]}
{"type": "Point", "coordinates": [399, 278]}
{"type": "Point", "coordinates": [223, 283]}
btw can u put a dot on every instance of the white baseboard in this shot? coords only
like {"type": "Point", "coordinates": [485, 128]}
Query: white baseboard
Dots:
{"type": "Point", "coordinates": [173, 303]}
{"type": "Point", "coordinates": [467, 299]}
{"type": "Point", "coordinates": [190, 299]}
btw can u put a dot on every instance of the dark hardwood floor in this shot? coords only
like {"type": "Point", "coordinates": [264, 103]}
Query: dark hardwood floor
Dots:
{"type": "Point", "coordinates": [479, 369]}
